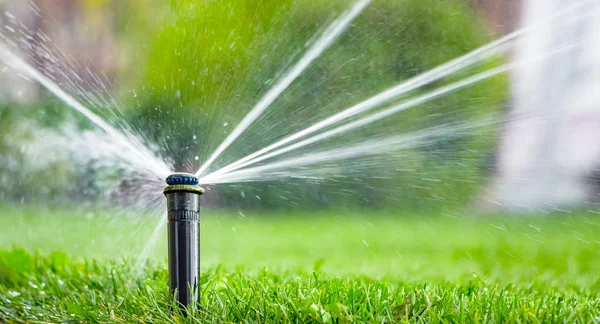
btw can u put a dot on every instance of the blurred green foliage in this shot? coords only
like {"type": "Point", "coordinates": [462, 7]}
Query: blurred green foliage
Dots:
{"type": "Point", "coordinates": [18, 180]}
{"type": "Point", "coordinates": [47, 175]}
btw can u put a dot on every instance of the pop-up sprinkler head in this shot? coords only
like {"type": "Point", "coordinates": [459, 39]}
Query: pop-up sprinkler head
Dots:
{"type": "Point", "coordinates": [183, 207]}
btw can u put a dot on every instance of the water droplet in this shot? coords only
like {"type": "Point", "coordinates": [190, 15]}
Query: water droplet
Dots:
{"type": "Point", "coordinates": [194, 137]}
{"type": "Point", "coordinates": [196, 158]}
{"type": "Point", "coordinates": [225, 124]}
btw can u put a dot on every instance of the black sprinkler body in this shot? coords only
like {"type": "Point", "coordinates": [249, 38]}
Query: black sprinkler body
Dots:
{"type": "Point", "coordinates": [183, 208]}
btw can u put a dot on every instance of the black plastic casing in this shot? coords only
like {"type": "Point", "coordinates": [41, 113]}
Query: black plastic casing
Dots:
{"type": "Point", "coordinates": [184, 243]}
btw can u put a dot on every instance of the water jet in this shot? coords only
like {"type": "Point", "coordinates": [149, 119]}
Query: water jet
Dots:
{"type": "Point", "coordinates": [183, 210]}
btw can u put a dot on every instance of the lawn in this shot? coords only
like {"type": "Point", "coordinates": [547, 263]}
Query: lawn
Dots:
{"type": "Point", "coordinates": [341, 266]}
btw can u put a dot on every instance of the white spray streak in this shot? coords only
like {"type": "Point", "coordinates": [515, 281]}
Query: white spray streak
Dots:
{"type": "Point", "coordinates": [151, 243]}
{"type": "Point", "coordinates": [154, 164]}
{"type": "Point", "coordinates": [366, 148]}
{"type": "Point", "coordinates": [328, 37]}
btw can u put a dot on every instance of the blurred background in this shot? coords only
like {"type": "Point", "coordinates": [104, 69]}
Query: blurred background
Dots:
{"type": "Point", "coordinates": [180, 75]}
{"type": "Point", "coordinates": [447, 148]}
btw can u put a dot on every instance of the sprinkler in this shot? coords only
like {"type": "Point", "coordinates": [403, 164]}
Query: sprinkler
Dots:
{"type": "Point", "coordinates": [183, 208]}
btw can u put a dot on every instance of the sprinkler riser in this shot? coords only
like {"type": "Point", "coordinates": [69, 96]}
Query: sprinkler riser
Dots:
{"type": "Point", "coordinates": [184, 245]}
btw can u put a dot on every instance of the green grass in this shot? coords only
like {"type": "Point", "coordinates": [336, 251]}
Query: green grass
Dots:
{"type": "Point", "coordinates": [304, 267]}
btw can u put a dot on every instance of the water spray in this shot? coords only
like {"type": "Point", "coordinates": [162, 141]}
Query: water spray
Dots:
{"type": "Point", "coordinates": [183, 208]}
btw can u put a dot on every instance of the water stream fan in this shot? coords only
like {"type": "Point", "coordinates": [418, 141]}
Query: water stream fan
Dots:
{"type": "Point", "coordinates": [183, 207]}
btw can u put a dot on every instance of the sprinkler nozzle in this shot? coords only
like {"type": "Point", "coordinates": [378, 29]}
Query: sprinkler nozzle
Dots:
{"type": "Point", "coordinates": [182, 179]}
{"type": "Point", "coordinates": [183, 209]}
